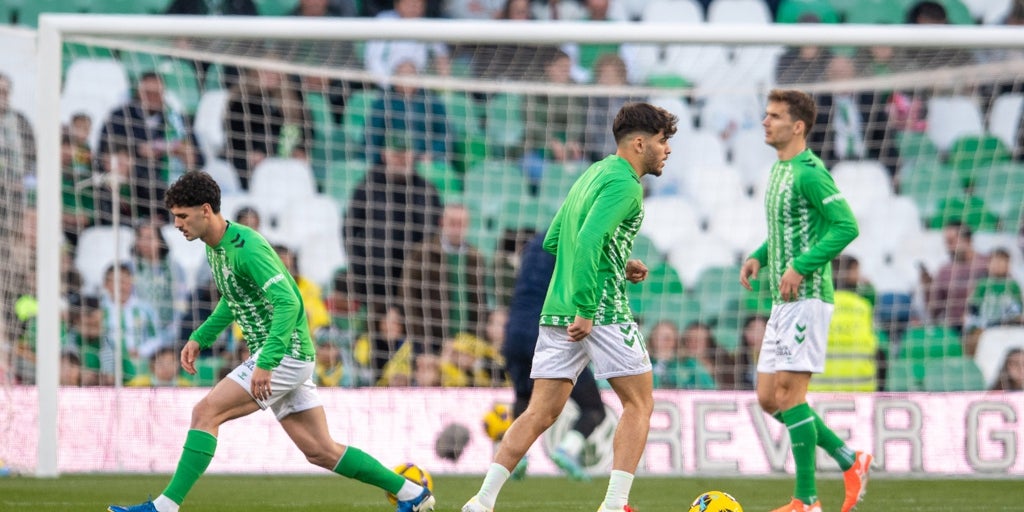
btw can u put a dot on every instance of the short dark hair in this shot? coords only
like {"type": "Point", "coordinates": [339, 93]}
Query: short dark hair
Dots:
{"type": "Point", "coordinates": [124, 267]}
{"type": "Point", "coordinates": [194, 188]}
{"type": "Point", "coordinates": [800, 105]}
{"type": "Point", "coordinates": [645, 118]}
{"type": "Point", "coordinates": [931, 10]}
{"type": "Point", "coordinates": [1000, 252]}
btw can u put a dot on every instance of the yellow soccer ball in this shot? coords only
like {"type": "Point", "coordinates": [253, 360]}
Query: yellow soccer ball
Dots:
{"type": "Point", "coordinates": [715, 501]}
{"type": "Point", "coordinates": [497, 420]}
{"type": "Point", "coordinates": [414, 473]}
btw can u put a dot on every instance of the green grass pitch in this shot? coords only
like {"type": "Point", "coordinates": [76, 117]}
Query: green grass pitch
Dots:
{"type": "Point", "coordinates": [219, 493]}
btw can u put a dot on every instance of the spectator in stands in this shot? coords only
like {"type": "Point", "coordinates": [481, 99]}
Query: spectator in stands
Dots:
{"type": "Point", "coordinates": [116, 173]}
{"type": "Point", "coordinates": [610, 70]}
{"type": "Point", "coordinates": [411, 109]}
{"type": "Point", "coordinates": [159, 280]}
{"type": "Point", "coordinates": [158, 140]}
{"type": "Point", "coordinates": [432, 8]}
{"type": "Point", "coordinates": [700, 345]}
{"type": "Point", "coordinates": [76, 190]}
{"type": "Point", "coordinates": [139, 327]}
{"type": "Point", "coordinates": [476, 9]}
{"type": "Point", "coordinates": [84, 336]}
{"type": "Point", "coordinates": [931, 13]}
{"type": "Point", "coordinates": [847, 276]}
{"type": "Point", "coordinates": [331, 370]}
{"type": "Point", "coordinates": [509, 61]}
{"type": "Point", "coordinates": [427, 371]}
{"type": "Point", "coordinates": [584, 57]}
{"type": "Point", "coordinates": [444, 284]}
{"type": "Point", "coordinates": [382, 57]}
{"type": "Point", "coordinates": [996, 300]}
{"type": "Point", "coordinates": [506, 263]}
{"type": "Point", "coordinates": [390, 212]}
{"type": "Point", "coordinates": [312, 295]}
{"type": "Point", "coordinates": [385, 350]}
{"type": "Point", "coordinates": [322, 8]}
{"type": "Point", "coordinates": [204, 7]}
{"type": "Point", "coordinates": [749, 348]}
{"type": "Point", "coordinates": [852, 353]}
{"type": "Point", "coordinates": [803, 64]}
{"type": "Point", "coordinates": [265, 118]}
{"type": "Point", "coordinates": [248, 216]}
{"type": "Point", "coordinates": [1011, 375]}
{"type": "Point", "coordinates": [70, 368]}
{"type": "Point", "coordinates": [554, 123]}
{"type": "Point", "coordinates": [666, 356]}
{"type": "Point", "coordinates": [853, 125]}
{"type": "Point", "coordinates": [163, 371]}
{"type": "Point", "coordinates": [17, 140]}
{"type": "Point", "coordinates": [494, 336]}
{"type": "Point", "coordinates": [347, 322]}
{"type": "Point", "coordinates": [946, 294]}
{"type": "Point", "coordinates": [468, 361]}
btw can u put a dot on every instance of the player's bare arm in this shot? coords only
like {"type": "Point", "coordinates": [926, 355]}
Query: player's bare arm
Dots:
{"type": "Point", "coordinates": [188, 356]}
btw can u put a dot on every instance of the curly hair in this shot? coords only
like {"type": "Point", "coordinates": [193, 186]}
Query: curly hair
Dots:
{"type": "Point", "coordinates": [194, 188]}
{"type": "Point", "coordinates": [643, 118]}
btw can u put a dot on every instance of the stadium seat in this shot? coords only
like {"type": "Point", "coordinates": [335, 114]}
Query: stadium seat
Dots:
{"type": "Point", "coordinates": [103, 81]}
{"type": "Point", "coordinates": [916, 145]}
{"type": "Point", "coordinates": [719, 293]}
{"type": "Point", "coordinates": [524, 212]}
{"type": "Point", "coordinates": [503, 123]}
{"type": "Point", "coordinates": [753, 12]}
{"type": "Point", "coordinates": [952, 374]}
{"type": "Point", "coordinates": [207, 371]}
{"type": "Point", "coordinates": [275, 7]}
{"type": "Point", "coordinates": [208, 125]}
{"type": "Point", "coordinates": [790, 11]}
{"type": "Point", "coordinates": [752, 157]}
{"type": "Point", "coordinates": [97, 250]}
{"type": "Point", "coordinates": [994, 344]}
{"type": "Point", "coordinates": [649, 309]}
{"type": "Point", "coordinates": [970, 210]}
{"type": "Point", "coordinates": [278, 182]}
{"type": "Point", "coordinates": [225, 176]}
{"type": "Point", "coordinates": [670, 221]}
{"type": "Point", "coordinates": [865, 184]}
{"type": "Point", "coordinates": [190, 255]}
{"type": "Point", "coordinates": [990, 12]}
{"type": "Point", "coordinates": [931, 342]}
{"type": "Point", "coordinates": [443, 176]}
{"type": "Point", "coordinates": [927, 182]}
{"type": "Point", "coordinates": [699, 253]}
{"type": "Point", "coordinates": [952, 117]}
{"type": "Point", "coordinates": [675, 11]}
{"type": "Point", "coordinates": [741, 225]}
{"type": "Point", "coordinates": [317, 215]}
{"type": "Point", "coordinates": [893, 310]}
{"type": "Point", "coordinates": [356, 117]}
{"type": "Point", "coordinates": [974, 155]}
{"type": "Point", "coordinates": [465, 115]}
{"type": "Point", "coordinates": [1004, 117]}
{"type": "Point", "coordinates": [556, 181]}
{"type": "Point", "coordinates": [645, 251]}
{"type": "Point", "coordinates": [181, 85]}
{"type": "Point", "coordinates": [320, 257]}
{"type": "Point", "coordinates": [889, 224]}
{"type": "Point", "coordinates": [999, 187]}
{"type": "Point", "coordinates": [328, 136]}
{"type": "Point", "coordinates": [232, 204]}
{"type": "Point", "coordinates": [927, 249]}
{"type": "Point", "coordinates": [343, 176]}
{"type": "Point", "coordinates": [901, 376]}
{"type": "Point", "coordinates": [712, 188]}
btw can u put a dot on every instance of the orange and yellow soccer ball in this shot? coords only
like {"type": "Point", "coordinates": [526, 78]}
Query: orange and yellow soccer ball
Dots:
{"type": "Point", "coordinates": [715, 501]}
{"type": "Point", "coordinates": [415, 473]}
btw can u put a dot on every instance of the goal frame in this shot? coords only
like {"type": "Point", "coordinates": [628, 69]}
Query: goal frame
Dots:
{"type": "Point", "coordinates": [55, 29]}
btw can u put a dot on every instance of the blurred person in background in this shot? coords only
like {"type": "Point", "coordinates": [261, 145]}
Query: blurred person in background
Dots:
{"type": "Point", "coordinates": [163, 371]}
{"type": "Point", "coordinates": [748, 350]}
{"type": "Point", "coordinates": [996, 300]}
{"type": "Point", "coordinates": [413, 110]}
{"type": "Point", "coordinates": [1011, 375]}
{"type": "Point", "coordinates": [712, 366]}
{"type": "Point", "coordinates": [555, 123]}
{"type": "Point", "coordinates": [946, 294]}
{"type": "Point", "coordinates": [312, 295]}
{"type": "Point", "coordinates": [382, 57]}
{"type": "Point", "coordinates": [17, 140]}
{"type": "Point", "coordinates": [159, 280]}
{"type": "Point", "coordinates": [139, 325]}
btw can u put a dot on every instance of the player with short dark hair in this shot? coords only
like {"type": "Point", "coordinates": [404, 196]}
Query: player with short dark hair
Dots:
{"type": "Point", "coordinates": [809, 224]}
{"type": "Point", "coordinates": [586, 316]}
{"type": "Point", "coordinates": [258, 293]}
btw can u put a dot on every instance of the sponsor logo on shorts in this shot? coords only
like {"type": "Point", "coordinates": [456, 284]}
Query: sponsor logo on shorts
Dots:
{"type": "Point", "coordinates": [782, 351]}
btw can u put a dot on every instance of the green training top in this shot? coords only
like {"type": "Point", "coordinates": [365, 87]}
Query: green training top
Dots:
{"type": "Point", "coordinates": [809, 224]}
{"type": "Point", "coordinates": [591, 237]}
{"type": "Point", "coordinates": [256, 291]}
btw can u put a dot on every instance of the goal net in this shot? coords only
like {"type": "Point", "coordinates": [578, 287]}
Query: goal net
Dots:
{"type": "Point", "coordinates": [405, 167]}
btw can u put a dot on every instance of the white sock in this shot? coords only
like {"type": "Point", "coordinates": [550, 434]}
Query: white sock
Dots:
{"type": "Point", "coordinates": [617, 496]}
{"type": "Point", "coordinates": [409, 490]}
{"type": "Point", "coordinates": [496, 477]}
{"type": "Point", "coordinates": [165, 504]}
{"type": "Point", "coordinates": [572, 443]}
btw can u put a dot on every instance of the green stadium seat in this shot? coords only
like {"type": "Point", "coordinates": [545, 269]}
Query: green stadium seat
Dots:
{"type": "Point", "coordinates": [719, 293]}
{"type": "Point", "coordinates": [137, 63]}
{"type": "Point", "coordinates": [443, 176]}
{"type": "Point", "coordinates": [591, 52]}
{"type": "Point", "coordinates": [275, 7]}
{"type": "Point", "coordinates": [28, 11]}
{"type": "Point", "coordinates": [790, 11]}
{"type": "Point", "coordinates": [666, 80]}
{"type": "Point", "coordinates": [181, 83]}
{"type": "Point", "coordinates": [1000, 187]}
{"type": "Point", "coordinates": [916, 145]}
{"type": "Point", "coordinates": [207, 371]}
{"type": "Point", "coordinates": [355, 118]}
{"type": "Point", "coordinates": [973, 156]}
{"type": "Point", "coordinates": [465, 116]}
{"type": "Point", "coordinates": [970, 210]}
{"type": "Point", "coordinates": [902, 376]}
{"type": "Point", "coordinates": [503, 123]}
{"type": "Point", "coordinates": [343, 176]}
{"type": "Point", "coordinates": [328, 136]}
{"type": "Point", "coordinates": [875, 12]}
{"type": "Point", "coordinates": [757, 301]}
{"type": "Point", "coordinates": [651, 308]}
{"type": "Point", "coordinates": [121, 7]}
{"type": "Point", "coordinates": [524, 212]}
{"type": "Point", "coordinates": [952, 374]}
{"type": "Point", "coordinates": [927, 182]}
{"type": "Point", "coordinates": [932, 342]}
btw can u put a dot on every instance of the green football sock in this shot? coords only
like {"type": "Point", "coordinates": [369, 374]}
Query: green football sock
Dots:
{"type": "Point", "coordinates": [195, 458]}
{"type": "Point", "coordinates": [835, 447]}
{"type": "Point", "coordinates": [804, 438]}
{"type": "Point", "coordinates": [829, 441]}
{"type": "Point", "coordinates": [357, 464]}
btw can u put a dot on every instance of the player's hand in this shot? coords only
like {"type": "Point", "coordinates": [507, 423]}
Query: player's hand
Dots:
{"type": "Point", "coordinates": [789, 286]}
{"type": "Point", "coordinates": [189, 355]}
{"type": "Point", "coordinates": [580, 328]}
{"type": "Point", "coordinates": [636, 271]}
{"type": "Point", "coordinates": [260, 383]}
{"type": "Point", "coordinates": [749, 271]}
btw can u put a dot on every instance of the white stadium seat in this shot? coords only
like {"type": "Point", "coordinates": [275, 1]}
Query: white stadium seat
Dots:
{"type": "Point", "coordinates": [952, 117]}
{"type": "Point", "coordinates": [753, 12]}
{"type": "Point", "coordinates": [98, 248]}
{"type": "Point", "coordinates": [278, 182]}
{"type": "Point", "coordinates": [225, 176]}
{"type": "Point", "coordinates": [865, 184]}
{"type": "Point", "coordinates": [190, 255]}
{"type": "Point", "coordinates": [699, 253]}
{"type": "Point", "coordinates": [669, 220]}
{"type": "Point", "coordinates": [209, 122]}
{"type": "Point", "coordinates": [992, 348]}
{"type": "Point", "coordinates": [1005, 117]}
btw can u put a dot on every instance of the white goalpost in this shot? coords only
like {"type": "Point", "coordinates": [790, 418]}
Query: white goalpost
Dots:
{"type": "Point", "coordinates": [139, 34]}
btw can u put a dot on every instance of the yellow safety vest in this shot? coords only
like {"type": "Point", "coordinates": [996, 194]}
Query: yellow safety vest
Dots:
{"type": "Point", "coordinates": [850, 363]}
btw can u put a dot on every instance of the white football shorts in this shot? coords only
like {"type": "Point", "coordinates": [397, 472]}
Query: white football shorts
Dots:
{"type": "Point", "coordinates": [617, 350]}
{"type": "Point", "coordinates": [291, 385]}
{"type": "Point", "coordinates": [796, 337]}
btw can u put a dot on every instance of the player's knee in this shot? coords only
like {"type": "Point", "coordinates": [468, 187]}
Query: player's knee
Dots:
{"type": "Point", "coordinates": [542, 416]}
{"type": "Point", "coordinates": [201, 414]}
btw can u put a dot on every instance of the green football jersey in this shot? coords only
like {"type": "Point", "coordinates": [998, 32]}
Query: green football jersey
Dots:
{"type": "Point", "coordinates": [809, 224]}
{"type": "Point", "coordinates": [591, 237]}
{"type": "Point", "coordinates": [256, 291]}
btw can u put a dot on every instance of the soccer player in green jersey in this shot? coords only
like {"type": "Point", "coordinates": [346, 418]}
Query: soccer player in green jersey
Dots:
{"type": "Point", "coordinates": [260, 295]}
{"type": "Point", "coordinates": [809, 224]}
{"type": "Point", "coordinates": [586, 316]}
